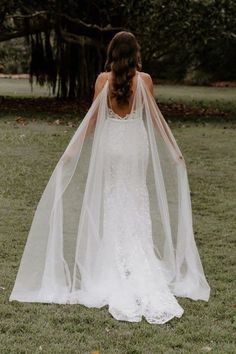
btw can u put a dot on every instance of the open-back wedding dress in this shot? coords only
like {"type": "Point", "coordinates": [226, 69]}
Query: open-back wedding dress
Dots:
{"type": "Point", "coordinates": [114, 224]}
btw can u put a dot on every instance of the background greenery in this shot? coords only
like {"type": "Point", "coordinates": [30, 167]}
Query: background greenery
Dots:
{"type": "Point", "coordinates": [65, 42]}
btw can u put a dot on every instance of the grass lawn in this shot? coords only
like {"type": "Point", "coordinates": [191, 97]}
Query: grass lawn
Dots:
{"type": "Point", "coordinates": [223, 98]}
{"type": "Point", "coordinates": [21, 88]}
{"type": "Point", "coordinates": [28, 154]}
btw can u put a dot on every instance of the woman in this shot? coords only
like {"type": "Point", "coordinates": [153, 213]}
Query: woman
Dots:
{"type": "Point", "coordinates": [114, 224]}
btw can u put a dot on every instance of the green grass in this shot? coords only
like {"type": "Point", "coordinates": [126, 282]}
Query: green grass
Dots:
{"type": "Point", "coordinates": [198, 96]}
{"type": "Point", "coordinates": [28, 155]}
{"type": "Point", "coordinates": [21, 88]}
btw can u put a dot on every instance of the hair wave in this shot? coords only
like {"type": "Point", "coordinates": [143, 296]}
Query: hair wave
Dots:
{"type": "Point", "coordinates": [123, 58]}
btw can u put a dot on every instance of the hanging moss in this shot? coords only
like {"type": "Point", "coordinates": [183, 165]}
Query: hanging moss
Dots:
{"type": "Point", "coordinates": [64, 65]}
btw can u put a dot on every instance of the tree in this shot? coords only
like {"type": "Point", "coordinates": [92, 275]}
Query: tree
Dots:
{"type": "Point", "coordinates": [66, 50]}
{"type": "Point", "coordinates": [68, 38]}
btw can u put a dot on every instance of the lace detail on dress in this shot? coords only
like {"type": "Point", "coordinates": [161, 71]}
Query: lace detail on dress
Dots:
{"type": "Point", "coordinates": [128, 116]}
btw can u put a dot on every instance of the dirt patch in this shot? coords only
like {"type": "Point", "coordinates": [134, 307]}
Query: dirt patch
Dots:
{"type": "Point", "coordinates": [224, 84]}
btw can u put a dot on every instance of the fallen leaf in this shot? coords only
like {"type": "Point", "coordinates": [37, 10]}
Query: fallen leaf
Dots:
{"type": "Point", "coordinates": [206, 349]}
{"type": "Point", "coordinates": [21, 120]}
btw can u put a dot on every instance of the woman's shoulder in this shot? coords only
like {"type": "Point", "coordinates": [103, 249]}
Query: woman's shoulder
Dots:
{"type": "Point", "coordinates": [104, 75]}
{"type": "Point", "coordinates": [100, 82]}
{"type": "Point", "coordinates": [101, 78]}
{"type": "Point", "coordinates": [145, 76]}
{"type": "Point", "coordinates": [148, 80]}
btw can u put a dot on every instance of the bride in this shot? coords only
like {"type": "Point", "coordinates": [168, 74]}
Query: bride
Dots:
{"type": "Point", "coordinates": [114, 223]}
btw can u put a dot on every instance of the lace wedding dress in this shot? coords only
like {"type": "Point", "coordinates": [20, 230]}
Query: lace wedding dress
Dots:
{"type": "Point", "coordinates": [132, 247]}
{"type": "Point", "coordinates": [127, 275]}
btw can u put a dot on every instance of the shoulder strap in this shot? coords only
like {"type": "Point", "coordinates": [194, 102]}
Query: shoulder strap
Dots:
{"type": "Point", "coordinates": [109, 99]}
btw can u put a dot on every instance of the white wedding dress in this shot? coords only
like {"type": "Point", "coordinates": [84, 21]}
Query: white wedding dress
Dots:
{"type": "Point", "coordinates": [127, 275]}
{"type": "Point", "coordinates": [133, 247]}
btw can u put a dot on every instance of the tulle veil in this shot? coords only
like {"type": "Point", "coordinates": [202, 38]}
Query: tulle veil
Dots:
{"type": "Point", "coordinates": [67, 227]}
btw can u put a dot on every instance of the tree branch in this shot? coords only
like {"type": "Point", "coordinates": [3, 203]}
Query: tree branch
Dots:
{"type": "Point", "coordinates": [77, 39]}
{"type": "Point", "coordinates": [25, 31]}
{"type": "Point", "coordinates": [38, 13]}
{"type": "Point", "coordinates": [92, 30]}
{"type": "Point", "coordinates": [83, 29]}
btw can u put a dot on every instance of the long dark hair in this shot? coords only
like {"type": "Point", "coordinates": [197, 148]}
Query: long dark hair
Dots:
{"type": "Point", "coordinates": [123, 58]}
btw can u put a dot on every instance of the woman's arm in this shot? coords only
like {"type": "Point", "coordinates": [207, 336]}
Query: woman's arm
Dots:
{"type": "Point", "coordinates": [97, 89]}
{"type": "Point", "coordinates": [92, 121]}
{"type": "Point", "coordinates": [150, 86]}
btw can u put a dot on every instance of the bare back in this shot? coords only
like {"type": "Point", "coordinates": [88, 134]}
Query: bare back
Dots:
{"type": "Point", "coordinates": [125, 109]}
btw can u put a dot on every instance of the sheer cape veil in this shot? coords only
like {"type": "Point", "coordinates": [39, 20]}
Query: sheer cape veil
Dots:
{"type": "Point", "coordinates": [67, 227]}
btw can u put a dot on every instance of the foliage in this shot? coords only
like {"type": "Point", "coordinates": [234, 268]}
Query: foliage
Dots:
{"type": "Point", "coordinates": [14, 56]}
{"type": "Point", "coordinates": [68, 38]}
{"type": "Point", "coordinates": [198, 35]}
{"type": "Point", "coordinates": [63, 45]}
